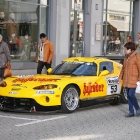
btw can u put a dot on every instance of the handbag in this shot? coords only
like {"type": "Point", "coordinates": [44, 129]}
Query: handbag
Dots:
{"type": "Point", "coordinates": [7, 71]}
{"type": "Point", "coordinates": [138, 88]}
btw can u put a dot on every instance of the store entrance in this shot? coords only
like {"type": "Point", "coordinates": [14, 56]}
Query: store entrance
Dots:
{"type": "Point", "coordinates": [76, 29]}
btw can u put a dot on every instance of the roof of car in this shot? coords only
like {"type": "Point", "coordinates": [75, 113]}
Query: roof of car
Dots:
{"type": "Point", "coordinates": [85, 59]}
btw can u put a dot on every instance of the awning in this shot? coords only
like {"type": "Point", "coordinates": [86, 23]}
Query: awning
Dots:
{"type": "Point", "coordinates": [120, 25]}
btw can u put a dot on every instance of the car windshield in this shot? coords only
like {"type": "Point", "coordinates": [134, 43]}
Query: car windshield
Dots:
{"type": "Point", "coordinates": [76, 69]}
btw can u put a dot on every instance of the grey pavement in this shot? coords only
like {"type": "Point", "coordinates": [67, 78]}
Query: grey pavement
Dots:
{"type": "Point", "coordinates": [102, 122]}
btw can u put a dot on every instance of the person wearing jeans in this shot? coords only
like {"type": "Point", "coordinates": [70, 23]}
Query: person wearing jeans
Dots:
{"type": "Point", "coordinates": [45, 53]}
{"type": "Point", "coordinates": [130, 74]}
{"type": "Point", "coordinates": [132, 101]}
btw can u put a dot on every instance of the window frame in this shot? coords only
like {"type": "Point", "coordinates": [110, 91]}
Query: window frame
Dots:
{"type": "Point", "coordinates": [106, 62]}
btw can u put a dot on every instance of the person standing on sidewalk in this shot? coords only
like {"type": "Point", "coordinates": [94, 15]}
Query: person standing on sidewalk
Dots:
{"type": "Point", "coordinates": [4, 57]}
{"type": "Point", "coordinates": [45, 53]}
{"type": "Point", "coordinates": [130, 74]}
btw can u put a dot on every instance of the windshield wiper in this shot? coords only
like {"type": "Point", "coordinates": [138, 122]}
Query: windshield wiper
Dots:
{"type": "Point", "coordinates": [73, 74]}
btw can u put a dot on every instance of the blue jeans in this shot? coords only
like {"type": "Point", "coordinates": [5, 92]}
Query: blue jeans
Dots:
{"type": "Point", "coordinates": [132, 100]}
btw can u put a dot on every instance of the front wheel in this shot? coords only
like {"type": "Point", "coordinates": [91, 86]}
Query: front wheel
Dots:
{"type": "Point", "coordinates": [124, 95]}
{"type": "Point", "coordinates": [70, 99]}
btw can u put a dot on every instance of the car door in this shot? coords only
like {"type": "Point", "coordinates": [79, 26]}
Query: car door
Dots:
{"type": "Point", "coordinates": [113, 86]}
{"type": "Point", "coordinates": [93, 86]}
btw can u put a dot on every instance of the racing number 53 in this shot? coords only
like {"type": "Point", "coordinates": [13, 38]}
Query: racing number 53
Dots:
{"type": "Point", "coordinates": [113, 88]}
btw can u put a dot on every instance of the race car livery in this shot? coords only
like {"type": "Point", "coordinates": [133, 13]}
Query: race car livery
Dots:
{"type": "Point", "coordinates": [74, 80]}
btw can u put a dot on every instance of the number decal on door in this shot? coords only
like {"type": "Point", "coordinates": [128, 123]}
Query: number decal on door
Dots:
{"type": "Point", "coordinates": [113, 87]}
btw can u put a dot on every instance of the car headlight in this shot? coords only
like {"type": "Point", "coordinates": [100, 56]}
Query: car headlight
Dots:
{"type": "Point", "coordinates": [45, 87]}
{"type": "Point", "coordinates": [3, 84]}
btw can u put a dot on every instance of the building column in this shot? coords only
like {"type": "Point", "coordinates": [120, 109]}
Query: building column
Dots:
{"type": "Point", "coordinates": [60, 29]}
{"type": "Point", "coordinates": [136, 19]}
{"type": "Point", "coordinates": [93, 16]}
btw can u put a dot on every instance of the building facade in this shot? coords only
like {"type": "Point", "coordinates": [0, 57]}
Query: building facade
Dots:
{"type": "Point", "coordinates": [76, 28]}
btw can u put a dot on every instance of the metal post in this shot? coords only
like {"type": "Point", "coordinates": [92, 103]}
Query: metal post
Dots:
{"type": "Point", "coordinates": [105, 44]}
{"type": "Point", "coordinates": [39, 20]}
{"type": "Point", "coordinates": [74, 32]}
{"type": "Point", "coordinates": [130, 17]}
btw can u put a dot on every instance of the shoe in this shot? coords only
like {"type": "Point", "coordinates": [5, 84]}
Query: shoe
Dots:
{"type": "Point", "coordinates": [138, 113]}
{"type": "Point", "coordinates": [129, 115]}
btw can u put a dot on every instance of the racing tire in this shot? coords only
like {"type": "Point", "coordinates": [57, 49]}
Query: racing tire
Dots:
{"type": "Point", "coordinates": [123, 96]}
{"type": "Point", "coordinates": [69, 99]}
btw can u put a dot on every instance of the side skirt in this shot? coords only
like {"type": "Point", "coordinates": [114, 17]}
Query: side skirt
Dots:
{"type": "Point", "coordinates": [100, 100]}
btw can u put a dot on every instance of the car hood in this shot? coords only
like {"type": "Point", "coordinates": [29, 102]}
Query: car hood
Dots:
{"type": "Point", "coordinates": [27, 83]}
{"type": "Point", "coordinates": [39, 79]}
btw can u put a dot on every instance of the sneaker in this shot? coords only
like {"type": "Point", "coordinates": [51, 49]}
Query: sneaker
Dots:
{"type": "Point", "coordinates": [138, 112]}
{"type": "Point", "coordinates": [129, 115]}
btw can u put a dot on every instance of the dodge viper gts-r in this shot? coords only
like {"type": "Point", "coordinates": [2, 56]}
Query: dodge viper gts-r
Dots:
{"type": "Point", "coordinates": [72, 82]}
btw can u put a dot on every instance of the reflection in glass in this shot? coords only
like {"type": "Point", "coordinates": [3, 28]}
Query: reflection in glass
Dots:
{"type": "Point", "coordinates": [76, 69]}
{"type": "Point", "coordinates": [119, 26]}
{"type": "Point", "coordinates": [19, 27]}
{"type": "Point", "coordinates": [76, 30]}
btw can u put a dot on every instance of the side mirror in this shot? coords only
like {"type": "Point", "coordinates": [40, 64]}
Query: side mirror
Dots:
{"type": "Point", "coordinates": [105, 72]}
{"type": "Point", "coordinates": [49, 70]}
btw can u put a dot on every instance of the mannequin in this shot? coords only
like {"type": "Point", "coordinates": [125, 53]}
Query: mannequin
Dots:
{"type": "Point", "coordinates": [26, 48]}
{"type": "Point", "coordinates": [12, 29]}
{"type": "Point", "coordinates": [3, 26]}
{"type": "Point", "coordinates": [2, 16]}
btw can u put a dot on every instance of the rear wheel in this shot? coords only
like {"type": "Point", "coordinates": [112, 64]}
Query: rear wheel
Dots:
{"type": "Point", "coordinates": [70, 99]}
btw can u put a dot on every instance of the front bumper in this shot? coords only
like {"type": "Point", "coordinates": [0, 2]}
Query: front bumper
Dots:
{"type": "Point", "coordinates": [22, 105]}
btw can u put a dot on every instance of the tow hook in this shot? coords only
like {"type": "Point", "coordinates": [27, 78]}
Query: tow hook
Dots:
{"type": "Point", "coordinates": [33, 109]}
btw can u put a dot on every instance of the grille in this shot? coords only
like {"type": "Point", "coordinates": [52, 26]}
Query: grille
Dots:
{"type": "Point", "coordinates": [14, 103]}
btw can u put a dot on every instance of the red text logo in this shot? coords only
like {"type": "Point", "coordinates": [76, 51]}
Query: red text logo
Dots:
{"type": "Point", "coordinates": [89, 88]}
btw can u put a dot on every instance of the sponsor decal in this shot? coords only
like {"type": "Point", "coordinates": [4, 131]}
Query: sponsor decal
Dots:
{"type": "Point", "coordinates": [16, 89]}
{"type": "Point", "coordinates": [112, 80]}
{"type": "Point", "coordinates": [89, 88]}
{"type": "Point", "coordinates": [32, 79]}
{"type": "Point", "coordinates": [20, 76]}
{"type": "Point", "coordinates": [12, 92]}
{"type": "Point", "coordinates": [44, 92]}
{"type": "Point", "coordinates": [113, 86]}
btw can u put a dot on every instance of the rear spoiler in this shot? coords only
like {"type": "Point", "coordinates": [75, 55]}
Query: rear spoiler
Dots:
{"type": "Point", "coordinates": [114, 58]}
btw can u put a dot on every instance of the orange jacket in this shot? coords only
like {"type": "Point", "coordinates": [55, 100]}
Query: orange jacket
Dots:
{"type": "Point", "coordinates": [48, 51]}
{"type": "Point", "coordinates": [130, 73]}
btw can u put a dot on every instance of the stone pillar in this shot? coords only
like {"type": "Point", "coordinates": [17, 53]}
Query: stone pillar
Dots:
{"type": "Point", "coordinates": [136, 19]}
{"type": "Point", "coordinates": [60, 29]}
{"type": "Point", "coordinates": [93, 16]}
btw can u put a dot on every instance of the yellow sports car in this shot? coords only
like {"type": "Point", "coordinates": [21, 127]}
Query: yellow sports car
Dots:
{"type": "Point", "coordinates": [74, 81]}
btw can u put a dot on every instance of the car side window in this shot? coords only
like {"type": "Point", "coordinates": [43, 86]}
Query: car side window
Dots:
{"type": "Point", "coordinates": [106, 66]}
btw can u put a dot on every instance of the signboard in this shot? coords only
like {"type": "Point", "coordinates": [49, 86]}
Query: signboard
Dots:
{"type": "Point", "coordinates": [117, 17]}
{"type": "Point", "coordinates": [78, 6]}
{"type": "Point", "coordinates": [98, 32]}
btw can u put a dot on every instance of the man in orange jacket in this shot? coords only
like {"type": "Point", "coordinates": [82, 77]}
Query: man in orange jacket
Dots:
{"type": "Point", "coordinates": [45, 53]}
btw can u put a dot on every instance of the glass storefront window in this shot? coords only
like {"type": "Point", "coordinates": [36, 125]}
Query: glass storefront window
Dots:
{"type": "Point", "coordinates": [19, 27]}
{"type": "Point", "coordinates": [117, 25]}
{"type": "Point", "coordinates": [76, 29]}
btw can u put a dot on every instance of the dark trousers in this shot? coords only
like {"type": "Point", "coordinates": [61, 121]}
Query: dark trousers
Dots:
{"type": "Point", "coordinates": [132, 100]}
{"type": "Point", "coordinates": [1, 74]}
{"type": "Point", "coordinates": [40, 66]}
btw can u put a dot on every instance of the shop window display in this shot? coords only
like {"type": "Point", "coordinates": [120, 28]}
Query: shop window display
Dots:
{"type": "Point", "coordinates": [76, 28]}
{"type": "Point", "coordinates": [19, 28]}
{"type": "Point", "coordinates": [117, 25]}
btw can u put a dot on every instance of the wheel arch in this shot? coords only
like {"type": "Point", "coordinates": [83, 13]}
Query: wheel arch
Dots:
{"type": "Point", "coordinates": [76, 86]}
